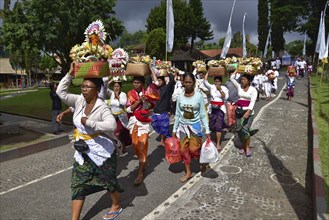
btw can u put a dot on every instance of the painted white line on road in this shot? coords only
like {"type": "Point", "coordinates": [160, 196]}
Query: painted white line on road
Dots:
{"type": "Point", "coordinates": [36, 180]}
{"type": "Point", "coordinates": [163, 206]}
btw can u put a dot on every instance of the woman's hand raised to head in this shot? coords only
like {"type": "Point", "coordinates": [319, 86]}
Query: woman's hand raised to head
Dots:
{"type": "Point", "coordinates": [71, 71]}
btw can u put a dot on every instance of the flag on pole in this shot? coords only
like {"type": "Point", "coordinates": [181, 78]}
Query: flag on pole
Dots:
{"type": "Point", "coordinates": [318, 42]}
{"type": "Point", "coordinates": [244, 52]}
{"type": "Point", "coordinates": [304, 47]}
{"type": "Point", "coordinates": [170, 26]}
{"type": "Point", "coordinates": [267, 41]}
{"type": "Point", "coordinates": [228, 36]}
{"type": "Point", "coordinates": [322, 49]}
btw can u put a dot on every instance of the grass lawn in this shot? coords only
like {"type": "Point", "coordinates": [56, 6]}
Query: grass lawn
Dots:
{"type": "Point", "coordinates": [321, 99]}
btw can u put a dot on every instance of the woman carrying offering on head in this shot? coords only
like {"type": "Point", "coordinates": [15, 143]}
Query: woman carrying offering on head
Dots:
{"type": "Point", "coordinates": [190, 117]}
{"type": "Point", "coordinates": [137, 107]}
{"type": "Point", "coordinates": [217, 109]}
{"type": "Point", "coordinates": [244, 111]}
{"type": "Point", "coordinates": [94, 169]}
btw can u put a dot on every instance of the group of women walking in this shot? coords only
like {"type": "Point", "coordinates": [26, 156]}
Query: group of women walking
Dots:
{"type": "Point", "coordinates": [102, 128]}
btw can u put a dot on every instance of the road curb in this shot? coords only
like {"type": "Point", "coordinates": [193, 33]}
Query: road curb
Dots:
{"type": "Point", "coordinates": [320, 205]}
{"type": "Point", "coordinates": [34, 148]}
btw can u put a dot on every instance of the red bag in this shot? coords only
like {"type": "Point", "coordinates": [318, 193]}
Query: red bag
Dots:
{"type": "Point", "coordinates": [152, 93]}
{"type": "Point", "coordinates": [172, 148]}
{"type": "Point", "coordinates": [231, 118]}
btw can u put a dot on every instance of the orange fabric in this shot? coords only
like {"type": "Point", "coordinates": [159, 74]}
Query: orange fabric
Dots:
{"type": "Point", "coordinates": [230, 111]}
{"type": "Point", "coordinates": [190, 147]}
{"type": "Point", "coordinates": [140, 144]}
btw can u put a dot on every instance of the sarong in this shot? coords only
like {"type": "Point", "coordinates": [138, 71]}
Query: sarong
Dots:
{"type": "Point", "coordinates": [140, 144]}
{"type": "Point", "coordinates": [243, 128]}
{"type": "Point", "coordinates": [216, 122]}
{"type": "Point", "coordinates": [90, 178]}
{"type": "Point", "coordinates": [230, 111]}
{"type": "Point", "coordinates": [160, 123]}
{"type": "Point", "coordinates": [122, 133]}
{"type": "Point", "coordinates": [290, 91]}
{"type": "Point", "coordinates": [190, 147]}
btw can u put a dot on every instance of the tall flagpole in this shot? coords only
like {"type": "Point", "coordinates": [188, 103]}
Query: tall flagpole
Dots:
{"type": "Point", "coordinates": [244, 46]}
{"type": "Point", "coordinates": [228, 36]}
{"type": "Point", "coordinates": [169, 27]}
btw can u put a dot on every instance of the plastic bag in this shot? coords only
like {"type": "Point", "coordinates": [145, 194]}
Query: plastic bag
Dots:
{"type": "Point", "coordinates": [209, 153]}
{"type": "Point", "coordinates": [152, 93]}
{"type": "Point", "coordinates": [172, 149]}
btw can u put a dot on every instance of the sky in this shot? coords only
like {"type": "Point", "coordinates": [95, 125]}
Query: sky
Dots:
{"type": "Point", "coordinates": [134, 13]}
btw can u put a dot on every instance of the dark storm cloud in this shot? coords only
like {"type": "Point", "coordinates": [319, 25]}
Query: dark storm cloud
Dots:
{"type": "Point", "coordinates": [217, 12]}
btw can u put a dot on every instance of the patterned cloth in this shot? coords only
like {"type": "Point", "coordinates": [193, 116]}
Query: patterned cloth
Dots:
{"type": "Point", "coordinates": [160, 123]}
{"type": "Point", "coordinates": [290, 91]}
{"type": "Point", "coordinates": [243, 128]}
{"type": "Point", "coordinates": [122, 133]}
{"type": "Point", "coordinates": [140, 144]}
{"type": "Point", "coordinates": [216, 122]}
{"type": "Point", "coordinates": [90, 178]}
{"type": "Point", "coordinates": [190, 147]}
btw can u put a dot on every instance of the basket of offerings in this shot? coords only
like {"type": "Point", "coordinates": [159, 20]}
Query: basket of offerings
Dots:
{"type": "Point", "coordinates": [139, 66]}
{"type": "Point", "coordinates": [117, 63]}
{"type": "Point", "coordinates": [217, 68]}
{"type": "Point", "coordinates": [163, 67]}
{"type": "Point", "coordinates": [200, 66]}
{"type": "Point", "coordinates": [250, 66]}
{"type": "Point", "coordinates": [91, 56]}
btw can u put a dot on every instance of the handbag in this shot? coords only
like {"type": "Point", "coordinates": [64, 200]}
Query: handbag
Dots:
{"type": "Point", "coordinates": [81, 146]}
{"type": "Point", "coordinates": [209, 152]}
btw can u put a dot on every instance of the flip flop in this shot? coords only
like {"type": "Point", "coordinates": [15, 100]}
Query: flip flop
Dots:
{"type": "Point", "coordinates": [185, 178]}
{"type": "Point", "coordinates": [115, 214]}
{"type": "Point", "coordinates": [241, 151]}
{"type": "Point", "coordinates": [248, 153]}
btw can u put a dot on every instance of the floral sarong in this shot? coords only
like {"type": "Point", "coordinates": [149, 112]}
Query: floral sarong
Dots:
{"type": "Point", "coordinates": [216, 122]}
{"type": "Point", "coordinates": [160, 123]}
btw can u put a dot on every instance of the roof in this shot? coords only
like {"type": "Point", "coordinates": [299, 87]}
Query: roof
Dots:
{"type": "Point", "coordinates": [6, 68]}
{"type": "Point", "coordinates": [231, 52]}
{"type": "Point", "coordinates": [187, 55]}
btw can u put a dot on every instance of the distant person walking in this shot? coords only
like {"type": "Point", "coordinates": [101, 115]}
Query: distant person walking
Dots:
{"type": "Point", "coordinates": [56, 108]}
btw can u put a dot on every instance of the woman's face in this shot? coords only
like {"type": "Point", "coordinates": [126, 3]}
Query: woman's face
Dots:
{"type": "Point", "coordinates": [138, 85]}
{"type": "Point", "coordinates": [116, 87]}
{"type": "Point", "coordinates": [245, 82]}
{"type": "Point", "coordinates": [89, 90]}
{"type": "Point", "coordinates": [218, 83]}
{"type": "Point", "coordinates": [188, 83]}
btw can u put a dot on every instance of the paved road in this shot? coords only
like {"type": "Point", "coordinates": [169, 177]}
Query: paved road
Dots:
{"type": "Point", "coordinates": [38, 186]}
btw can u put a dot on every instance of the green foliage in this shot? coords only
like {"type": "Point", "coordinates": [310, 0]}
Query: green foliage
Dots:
{"type": "Point", "coordinates": [128, 40]}
{"type": "Point", "coordinates": [156, 43]}
{"type": "Point", "coordinates": [237, 40]}
{"type": "Point", "coordinates": [295, 48]}
{"type": "Point", "coordinates": [321, 100]}
{"type": "Point", "coordinates": [55, 26]}
{"type": "Point", "coordinates": [157, 19]}
{"type": "Point", "coordinates": [48, 65]}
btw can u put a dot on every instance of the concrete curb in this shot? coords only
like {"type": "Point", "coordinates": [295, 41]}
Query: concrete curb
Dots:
{"type": "Point", "coordinates": [320, 205]}
{"type": "Point", "coordinates": [34, 148]}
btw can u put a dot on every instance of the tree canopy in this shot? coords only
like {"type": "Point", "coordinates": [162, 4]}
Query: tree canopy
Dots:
{"type": "Point", "coordinates": [29, 25]}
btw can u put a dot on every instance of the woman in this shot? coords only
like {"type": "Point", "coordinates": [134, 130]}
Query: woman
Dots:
{"type": "Point", "coordinates": [217, 109]}
{"type": "Point", "coordinates": [117, 104]}
{"type": "Point", "coordinates": [94, 170]}
{"type": "Point", "coordinates": [244, 111]}
{"type": "Point", "coordinates": [139, 123]}
{"type": "Point", "coordinates": [160, 118]}
{"type": "Point", "coordinates": [291, 81]}
{"type": "Point", "coordinates": [190, 112]}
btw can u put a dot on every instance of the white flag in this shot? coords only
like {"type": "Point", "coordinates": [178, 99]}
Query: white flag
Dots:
{"type": "Point", "coordinates": [327, 48]}
{"type": "Point", "coordinates": [267, 41]}
{"type": "Point", "coordinates": [304, 47]}
{"type": "Point", "coordinates": [244, 53]}
{"type": "Point", "coordinates": [318, 42]}
{"type": "Point", "coordinates": [170, 26]}
{"type": "Point", "coordinates": [228, 36]}
{"type": "Point", "coordinates": [322, 50]}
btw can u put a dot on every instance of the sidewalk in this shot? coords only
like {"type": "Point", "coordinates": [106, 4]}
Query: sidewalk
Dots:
{"type": "Point", "coordinates": [46, 139]}
{"type": "Point", "coordinates": [275, 183]}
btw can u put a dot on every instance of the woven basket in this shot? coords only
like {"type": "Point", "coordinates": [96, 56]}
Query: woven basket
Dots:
{"type": "Point", "coordinates": [216, 71]}
{"type": "Point", "coordinates": [247, 69]}
{"type": "Point", "coordinates": [97, 69]}
{"type": "Point", "coordinates": [163, 72]}
{"type": "Point", "coordinates": [137, 69]}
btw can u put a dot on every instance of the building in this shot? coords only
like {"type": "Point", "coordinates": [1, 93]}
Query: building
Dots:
{"type": "Point", "coordinates": [9, 77]}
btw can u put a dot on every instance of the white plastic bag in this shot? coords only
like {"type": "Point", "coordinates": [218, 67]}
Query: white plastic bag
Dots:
{"type": "Point", "coordinates": [209, 153]}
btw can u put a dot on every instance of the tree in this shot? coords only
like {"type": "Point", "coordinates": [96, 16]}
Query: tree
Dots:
{"type": "Point", "coordinates": [295, 48]}
{"type": "Point", "coordinates": [237, 40]}
{"type": "Point", "coordinates": [200, 27]}
{"type": "Point", "coordinates": [262, 23]}
{"type": "Point", "coordinates": [56, 26]}
{"type": "Point", "coordinates": [156, 43]}
{"type": "Point", "coordinates": [128, 40]}
{"type": "Point", "coordinates": [157, 19]}
{"type": "Point", "coordinates": [48, 65]}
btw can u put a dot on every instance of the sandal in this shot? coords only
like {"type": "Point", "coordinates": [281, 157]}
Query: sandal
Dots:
{"type": "Point", "coordinates": [114, 214]}
{"type": "Point", "coordinates": [138, 181]}
{"type": "Point", "coordinates": [248, 153]}
{"type": "Point", "coordinates": [241, 151]}
{"type": "Point", "coordinates": [185, 178]}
